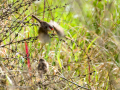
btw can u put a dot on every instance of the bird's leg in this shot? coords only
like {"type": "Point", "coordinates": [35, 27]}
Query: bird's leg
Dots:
{"type": "Point", "coordinates": [42, 44]}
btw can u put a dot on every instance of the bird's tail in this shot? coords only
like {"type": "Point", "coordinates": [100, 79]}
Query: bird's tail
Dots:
{"type": "Point", "coordinates": [36, 18]}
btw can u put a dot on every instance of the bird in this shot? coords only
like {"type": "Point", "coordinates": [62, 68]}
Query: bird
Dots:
{"type": "Point", "coordinates": [59, 30]}
{"type": "Point", "coordinates": [43, 67]}
{"type": "Point", "coordinates": [45, 27]}
{"type": "Point", "coordinates": [43, 30]}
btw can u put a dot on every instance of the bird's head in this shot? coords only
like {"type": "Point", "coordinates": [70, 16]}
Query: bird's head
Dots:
{"type": "Point", "coordinates": [41, 60]}
{"type": "Point", "coordinates": [46, 26]}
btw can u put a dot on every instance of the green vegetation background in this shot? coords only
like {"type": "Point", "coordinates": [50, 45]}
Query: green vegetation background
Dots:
{"type": "Point", "coordinates": [93, 25]}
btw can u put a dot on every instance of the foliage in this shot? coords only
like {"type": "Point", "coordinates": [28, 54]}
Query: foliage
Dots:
{"type": "Point", "coordinates": [88, 57]}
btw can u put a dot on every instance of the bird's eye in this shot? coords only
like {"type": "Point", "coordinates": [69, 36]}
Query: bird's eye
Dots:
{"type": "Point", "coordinates": [45, 27]}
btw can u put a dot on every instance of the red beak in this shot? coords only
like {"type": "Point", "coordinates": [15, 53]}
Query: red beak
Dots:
{"type": "Point", "coordinates": [51, 28]}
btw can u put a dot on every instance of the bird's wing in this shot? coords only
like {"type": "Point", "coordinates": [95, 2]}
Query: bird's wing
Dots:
{"type": "Point", "coordinates": [59, 30]}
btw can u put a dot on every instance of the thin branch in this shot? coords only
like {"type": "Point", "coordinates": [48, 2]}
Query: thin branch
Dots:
{"type": "Point", "coordinates": [73, 82]}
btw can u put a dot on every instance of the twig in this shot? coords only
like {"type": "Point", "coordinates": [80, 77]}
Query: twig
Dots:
{"type": "Point", "coordinates": [73, 82]}
{"type": "Point", "coordinates": [19, 41]}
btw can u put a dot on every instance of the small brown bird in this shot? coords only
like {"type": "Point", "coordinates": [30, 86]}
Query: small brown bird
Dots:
{"type": "Point", "coordinates": [43, 30]}
{"type": "Point", "coordinates": [43, 67]}
{"type": "Point", "coordinates": [45, 27]}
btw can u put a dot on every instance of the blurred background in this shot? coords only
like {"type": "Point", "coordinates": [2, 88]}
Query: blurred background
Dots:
{"type": "Point", "coordinates": [88, 57]}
